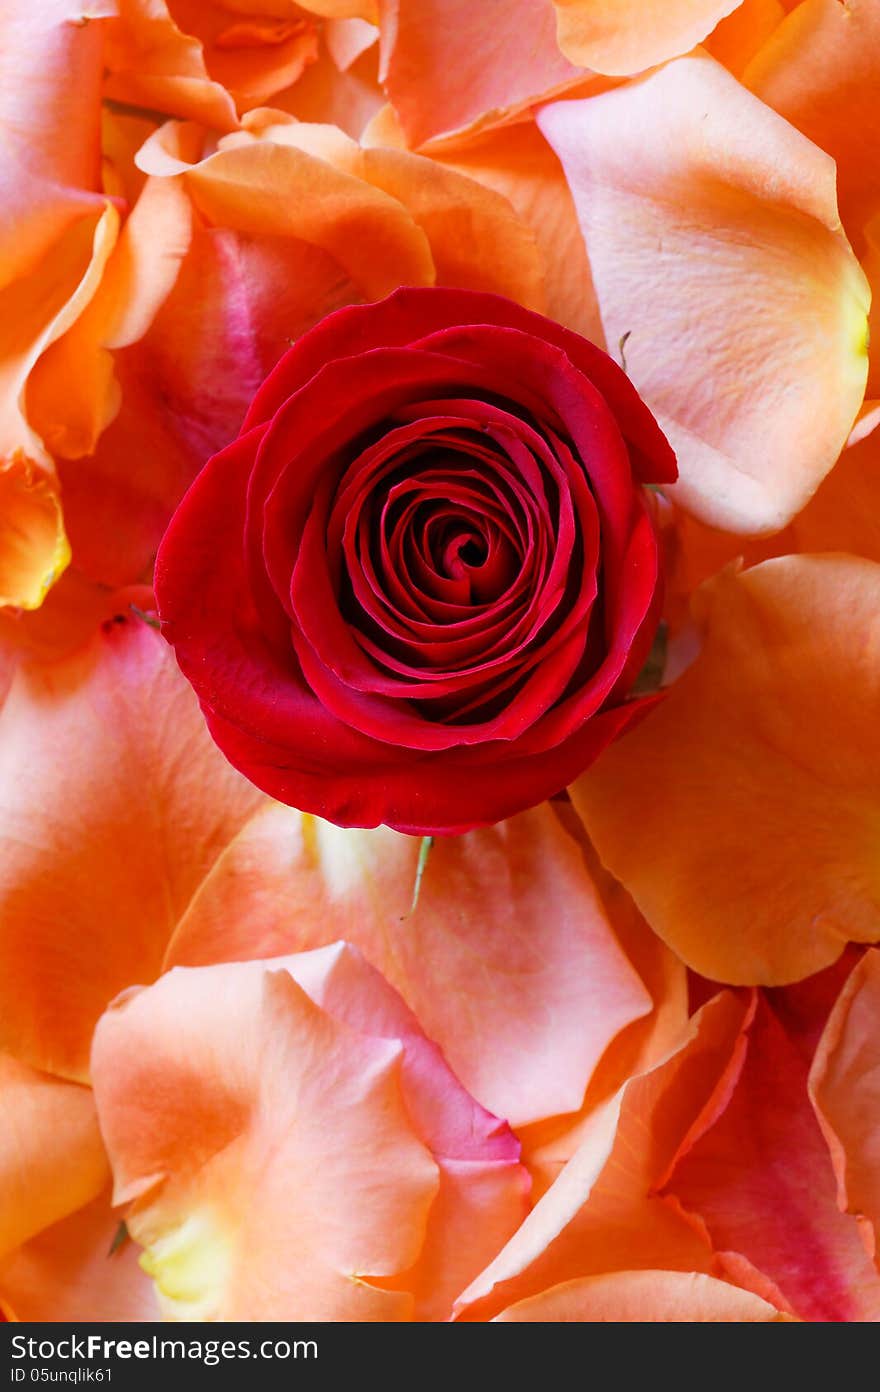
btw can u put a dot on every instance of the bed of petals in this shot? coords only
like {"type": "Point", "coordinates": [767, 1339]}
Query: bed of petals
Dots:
{"type": "Point", "coordinates": [616, 1057]}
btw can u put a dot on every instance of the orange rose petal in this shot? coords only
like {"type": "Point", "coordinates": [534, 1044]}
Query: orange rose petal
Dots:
{"type": "Point", "coordinates": [35, 309]}
{"type": "Point", "coordinates": [154, 64]}
{"type": "Point", "coordinates": [477, 241]}
{"type": "Point", "coordinates": [138, 276]}
{"type": "Point", "coordinates": [508, 959]}
{"type": "Point", "coordinates": [51, 1157]}
{"type": "Point", "coordinates": [236, 303]}
{"type": "Point", "coordinates": [68, 617]}
{"type": "Point", "coordinates": [766, 731]}
{"type": "Point", "coordinates": [739, 37]}
{"type": "Point", "coordinates": [34, 550]}
{"type": "Point", "coordinates": [760, 1177]}
{"type": "Point", "coordinates": [263, 189]}
{"type": "Point", "coordinates": [450, 64]}
{"type": "Point", "coordinates": [114, 803]}
{"type": "Point", "coordinates": [347, 97]}
{"type": "Point", "coordinates": [518, 163]}
{"type": "Point", "coordinates": [620, 37]}
{"type": "Point", "coordinates": [602, 1214]}
{"type": "Point", "coordinates": [845, 1083]}
{"type": "Point", "coordinates": [67, 1273]}
{"type": "Point", "coordinates": [548, 1145]}
{"type": "Point", "coordinates": [645, 1297]}
{"type": "Point", "coordinates": [757, 404]}
{"type": "Point", "coordinates": [871, 267]}
{"type": "Point", "coordinates": [820, 70]}
{"type": "Point", "coordinates": [282, 1165]}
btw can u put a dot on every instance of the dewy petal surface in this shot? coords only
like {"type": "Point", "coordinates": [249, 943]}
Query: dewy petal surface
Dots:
{"type": "Point", "coordinates": [743, 306]}
{"type": "Point", "coordinates": [755, 856]}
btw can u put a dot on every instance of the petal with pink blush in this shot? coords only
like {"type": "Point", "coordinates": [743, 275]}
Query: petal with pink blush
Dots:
{"type": "Point", "coordinates": [845, 1086]}
{"type": "Point", "coordinates": [645, 1297]}
{"type": "Point", "coordinates": [303, 1159]}
{"type": "Point", "coordinates": [755, 854]}
{"type": "Point", "coordinates": [449, 64]}
{"type": "Point", "coordinates": [508, 959]}
{"type": "Point", "coordinates": [68, 1273]}
{"type": "Point", "coordinates": [743, 306]}
{"type": "Point", "coordinates": [114, 805]}
{"type": "Point", "coordinates": [760, 1178]}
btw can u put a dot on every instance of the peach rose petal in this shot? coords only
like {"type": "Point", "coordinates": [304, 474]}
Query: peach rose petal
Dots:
{"type": "Point", "coordinates": [518, 163]}
{"type": "Point", "coordinates": [621, 37]}
{"type": "Point", "coordinates": [820, 70]}
{"type": "Point", "coordinates": [50, 75]}
{"type": "Point", "coordinates": [761, 1179]}
{"type": "Point", "coordinates": [347, 97]}
{"type": "Point", "coordinates": [477, 241]}
{"type": "Point", "coordinates": [264, 189]}
{"type": "Point", "coordinates": [68, 617]}
{"type": "Point", "coordinates": [871, 267]}
{"type": "Point", "coordinates": [292, 1165]}
{"type": "Point", "coordinates": [114, 804]}
{"type": "Point", "coordinates": [845, 1086]}
{"type": "Point", "coordinates": [51, 1157]}
{"type": "Point", "coordinates": [68, 1273]}
{"type": "Point", "coordinates": [449, 64]}
{"type": "Point", "coordinates": [757, 404]}
{"type": "Point", "coordinates": [34, 549]}
{"type": "Point", "coordinates": [603, 1213]}
{"type": "Point", "coordinates": [739, 37]}
{"type": "Point", "coordinates": [137, 278]}
{"type": "Point", "coordinates": [758, 765]}
{"type": "Point", "coordinates": [156, 65]}
{"type": "Point", "coordinates": [645, 1297]}
{"type": "Point", "coordinates": [508, 959]}
{"type": "Point", "coordinates": [548, 1145]}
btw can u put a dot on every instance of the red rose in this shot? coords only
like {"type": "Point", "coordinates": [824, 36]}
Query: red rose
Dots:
{"type": "Point", "coordinates": [418, 586]}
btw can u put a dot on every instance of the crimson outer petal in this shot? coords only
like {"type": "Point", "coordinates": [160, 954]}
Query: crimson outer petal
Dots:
{"type": "Point", "coordinates": [273, 693]}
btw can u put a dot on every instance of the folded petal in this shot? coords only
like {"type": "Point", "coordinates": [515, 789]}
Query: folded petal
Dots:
{"type": "Point", "coordinates": [844, 1082]}
{"type": "Point", "coordinates": [51, 1157]}
{"type": "Point", "coordinates": [78, 1270]}
{"type": "Point", "coordinates": [603, 1213]}
{"type": "Point", "coordinates": [819, 69]}
{"type": "Point", "coordinates": [448, 63]}
{"type": "Point", "coordinates": [754, 786]}
{"type": "Point", "coordinates": [742, 305]}
{"type": "Point", "coordinates": [114, 805]}
{"type": "Point", "coordinates": [645, 1297]}
{"type": "Point", "coordinates": [290, 1165]}
{"type": "Point", "coordinates": [507, 958]}
{"type": "Point", "coordinates": [34, 549]}
{"type": "Point", "coordinates": [761, 1180]}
